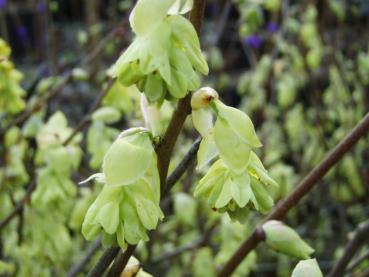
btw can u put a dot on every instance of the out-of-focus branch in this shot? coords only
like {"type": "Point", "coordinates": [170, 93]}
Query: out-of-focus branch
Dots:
{"type": "Point", "coordinates": [94, 247]}
{"type": "Point", "coordinates": [359, 237]}
{"type": "Point", "coordinates": [300, 191]}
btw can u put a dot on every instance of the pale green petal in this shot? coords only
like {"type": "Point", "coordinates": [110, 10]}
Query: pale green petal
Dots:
{"type": "Point", "coordinates": [131, 222]}
{"type": "Point", "coordinates": [258, 168]}
{"type": "Point", "coordinates": [178, 86]}
{"type": "Point", "coordinates": [147, 212]}
{"type": "Point", "coordinates": [233, 151]}
{"type": "Point", "coordinates": [215, 193]}
{"type": "Point", "coordinates": [241, 189]}
{"type": "Point", "coordinates": [154, 88]}
{"type": "Point", "coordinates": [109, 217]}
{"type": "Point", "coordinates": [120, 237]}
{"type": "Point", "coordinates": [264, 200]}
{"type": "Point", "coordinates": [225, 195]}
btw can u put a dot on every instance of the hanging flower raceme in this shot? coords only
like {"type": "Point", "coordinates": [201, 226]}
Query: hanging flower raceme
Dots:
{"type": "Point", "coordinates": [11, 93]}
{"type": "Point", "coordinates": [238, 180]}
{"type": "Point", "coordinates": [165, 58]}
{"type": "Point", "coordinates": [128, 204]}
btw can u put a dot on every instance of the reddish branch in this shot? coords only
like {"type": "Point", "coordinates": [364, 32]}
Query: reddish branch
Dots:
{"type": "Point", "coordinates": [360, 236]}
{"type": "Point", "coordinates": [300, 191]}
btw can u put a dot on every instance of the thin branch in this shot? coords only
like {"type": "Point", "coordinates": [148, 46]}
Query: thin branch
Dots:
{"type": "Point", "coordinates": [181, 168]}
{"type": "Point", "coordinates": [121, 261]}
{"type": "Point", "coordinates": [87, 118]}
{"type": "Point", "coordinates": [197, 243]}
{"type": "Point", "coordinates": [300, 191]}
{"type": "Point", "coordinates": [360, 236]}
{"type": "Point", "coordinates": [90, 252]}
{"type": "Point", "coordinates": [19, 206]}
{"type": "Point", "coordinates": [357, 262]}
{"type": "Point", "coordinates": [104, 262]}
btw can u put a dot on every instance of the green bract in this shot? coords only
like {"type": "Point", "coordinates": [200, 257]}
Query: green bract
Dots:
{"type": "Point", "coordinates": [307, 268]}
{"type": "Point", "coordinates": [165, 57]}
{"type": "Point", "coordinates": [285, 240]}
{"type": "Point", "coordinates": [11, 93]}
{"type": "Point", "coordinates": [128, 205]}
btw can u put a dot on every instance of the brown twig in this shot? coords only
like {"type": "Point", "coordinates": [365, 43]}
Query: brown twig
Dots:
{"type": "Point", "coordinates": [197, 243]}
{"type": "Point", "coordinates": [357, 262]}
{"type": "Point", "coordinates": [360, 236]}
{"type": "Point", "coordinates": [19, 206]}
{"type": "Point", "coordinates": [87, 118]}
{"type": "Point", "coordinates": [90, 252]}
{"type": "Point", "coordinates": [300, 191]}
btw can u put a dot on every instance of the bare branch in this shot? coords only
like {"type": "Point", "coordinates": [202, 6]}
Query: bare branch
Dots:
{"type": "Point", "coordinates": [360, 236]}
{"type": "Point", "coordinates": [94, 247]}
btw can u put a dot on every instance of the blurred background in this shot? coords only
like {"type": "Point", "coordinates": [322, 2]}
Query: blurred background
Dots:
{"type": "Point", "coordinates": [298, 68]}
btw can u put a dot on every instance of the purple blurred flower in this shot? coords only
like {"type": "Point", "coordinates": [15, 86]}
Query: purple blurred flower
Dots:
{"type": "Point", "coordinates": [2, 3]}
{"type": "Point", "coordinates": [22, 33]}
{"type": "Point", "coordinates": [272, 27]}
{"type": "Point", "coordinates": [254, 41]}
{"type": "Point", "coordinates": [41, 6]}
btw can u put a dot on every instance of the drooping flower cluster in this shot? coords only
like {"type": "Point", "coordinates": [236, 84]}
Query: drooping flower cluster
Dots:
{"type": "Point", "coordinates": [165, 57]}
{"type": "Point", "coordinates": [11, 93]}
{"type": "Point", "coordinates": [237, 180]}
{"type": "Point", "coordinates": [128, 204]}
{"type": "Point", "coordinates": [58, 162]}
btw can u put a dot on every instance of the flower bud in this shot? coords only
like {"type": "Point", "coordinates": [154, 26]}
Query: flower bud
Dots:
{"type": "Point", "coordinates": [202, 97]}
{"type": "Point", "coordinates": [307, 268]}
{"type": "Point", "coordinates": [284, 239]}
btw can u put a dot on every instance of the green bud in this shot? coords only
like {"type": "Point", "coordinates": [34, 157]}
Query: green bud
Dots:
{"type": "Point", "coordinates": [284, 239]}
{"type": "Point", "coordinates": [307, 268]}
{"type": "Point", "coordinates": [202, 98]}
